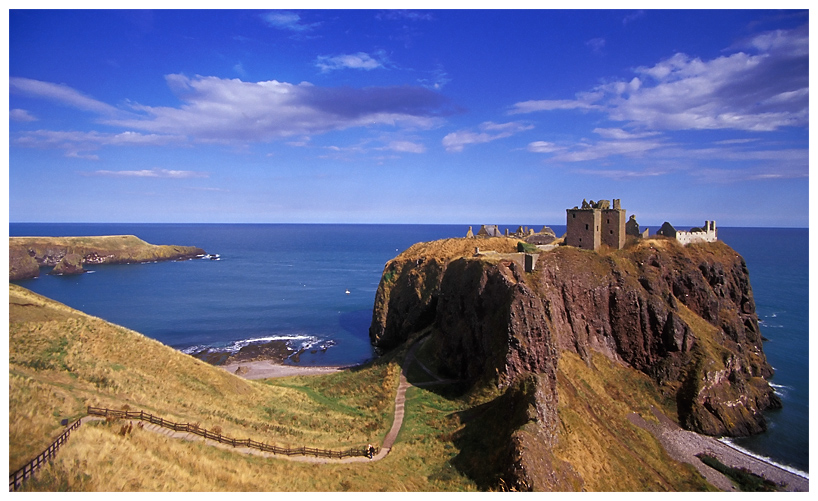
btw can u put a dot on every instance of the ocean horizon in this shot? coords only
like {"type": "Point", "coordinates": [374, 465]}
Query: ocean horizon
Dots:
{"type": "Point", "coordinates": [313, 285]}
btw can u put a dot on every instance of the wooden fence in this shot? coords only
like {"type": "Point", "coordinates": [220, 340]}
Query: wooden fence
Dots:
{"type": "Point", "coordinates": [16, 479]}
{"type": "Point", "coordinates": [202, 432]}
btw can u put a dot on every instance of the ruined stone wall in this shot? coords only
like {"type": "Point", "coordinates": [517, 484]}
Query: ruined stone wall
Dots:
{"type": "Point", "coordinates": [690, 237]}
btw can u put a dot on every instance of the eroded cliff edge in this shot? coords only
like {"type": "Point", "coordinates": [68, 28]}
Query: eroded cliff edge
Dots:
{"type": "Point", "coordinates": [683, 316]}
{"type": "Point", "coordinates": [28, 254]}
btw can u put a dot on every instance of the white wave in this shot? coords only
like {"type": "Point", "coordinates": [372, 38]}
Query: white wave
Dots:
{"type": "Point", "coordinates": [780, 389]}
{"type": "Point", "coordinates": [295, 342]}
{"type": "Point", "coordinates": [794, 471]}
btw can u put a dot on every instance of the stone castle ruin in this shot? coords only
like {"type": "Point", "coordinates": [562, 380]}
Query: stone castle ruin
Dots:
{"type": "Point", "coordinates": [594, 224]}
{"type": "Point", "coordinates": [591, 226]}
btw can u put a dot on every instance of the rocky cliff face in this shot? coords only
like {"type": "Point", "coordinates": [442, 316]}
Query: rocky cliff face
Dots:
{"type": "Point", "coordinates": [685, 316]}
{"type": "Point", "coordinates": [27, 252]}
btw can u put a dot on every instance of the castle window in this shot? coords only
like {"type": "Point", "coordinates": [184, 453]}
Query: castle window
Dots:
{"type": "Point", "coordinates": [611, 232]}
{"type": "Point", "coordinates": [609, 220]}
{"type": "Point", "coordinates": [573, 216]}
{"type": "Point", "coordinates": [586, 226]}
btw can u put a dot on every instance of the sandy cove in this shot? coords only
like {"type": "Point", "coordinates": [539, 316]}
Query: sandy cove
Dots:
{"type": "Point", "coordinates": [263, 369]}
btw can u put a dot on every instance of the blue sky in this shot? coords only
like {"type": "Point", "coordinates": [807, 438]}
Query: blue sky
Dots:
{"type": "Point", "coordinates": [428, 116]}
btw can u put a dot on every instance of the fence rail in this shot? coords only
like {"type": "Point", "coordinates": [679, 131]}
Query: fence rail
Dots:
{"type": "Point", "coordinates": [16, 479]}
{"type": "Point", "coordinates": [210, 435]}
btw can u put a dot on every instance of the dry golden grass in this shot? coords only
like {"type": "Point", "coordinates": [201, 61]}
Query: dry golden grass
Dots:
{"type": "Point", "coordinates": [608, 452]}
{"type": "Point", "coordinates": [59, 367]}
{"type": "Point", "coordinates": [62, 360]}
{"type": "Point", "coordinates": [453, 248]}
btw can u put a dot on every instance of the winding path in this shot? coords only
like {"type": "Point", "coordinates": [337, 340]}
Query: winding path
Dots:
{"type": "Point", "coordinates": [388, 441]}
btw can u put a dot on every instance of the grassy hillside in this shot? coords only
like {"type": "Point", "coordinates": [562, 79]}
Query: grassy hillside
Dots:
{"type": "Point", "coordinates": [61, 360]}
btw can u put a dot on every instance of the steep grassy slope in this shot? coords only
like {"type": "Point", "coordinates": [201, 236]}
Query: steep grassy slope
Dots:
{"type": "Point", "coordinates": [62, 360]}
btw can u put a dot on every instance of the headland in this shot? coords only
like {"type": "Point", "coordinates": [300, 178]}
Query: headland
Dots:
{"type": "Point", "coordinates": [68, 254]}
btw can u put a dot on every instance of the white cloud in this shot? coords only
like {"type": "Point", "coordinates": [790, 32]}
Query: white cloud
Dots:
{"type": "Point", "coordinates": [616, 133]}
{"type": "Point", "coordinates": [764, 89]}
{"type": "Point", "coordinates": [287, 21]}
{"type": "Point", "coordinates": [405, 147]}
{"type": "Point", "coordinates": [359, 61]}
{"type": "Point", "coordinates": [544, 147]}
{"type": "Point", "coordinates": [18, 115]}
{"type": "Point", "coordinates": [153, 173]}
{"type": "Point", "coordinates": [456, 141]}
{"type": "Point", "coordinates": [232, 111]}
{"type": "Point", "coordinates": [549, 104]}
{"type": "Point", "coordinates": [616, 142]}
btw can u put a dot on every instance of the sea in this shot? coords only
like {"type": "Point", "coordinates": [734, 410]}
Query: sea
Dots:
{"type": "Point", "coordinates": [313, 286]}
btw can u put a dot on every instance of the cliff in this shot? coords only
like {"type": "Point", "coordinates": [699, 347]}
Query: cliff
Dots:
{"type": "Point", "coordinates": [684, 317]}
{"type": "Point", "coordinates": [28, 254]}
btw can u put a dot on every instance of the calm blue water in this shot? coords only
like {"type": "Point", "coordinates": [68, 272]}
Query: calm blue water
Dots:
{"type": "Point", "coordinates": [289, 281]}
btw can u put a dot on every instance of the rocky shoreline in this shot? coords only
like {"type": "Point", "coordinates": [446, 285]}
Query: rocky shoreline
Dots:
{"type": "Point", "coordinates": [276, 351]}
{"type": "Point", "coordinates": [685, 446]}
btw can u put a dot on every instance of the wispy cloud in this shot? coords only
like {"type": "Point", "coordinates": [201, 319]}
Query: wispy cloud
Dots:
{"type": "Point", "coordinates": [231, 111]}
{"type": "Point", "coordinates": [18, 115]}
{"type": "Point", "coordinates": [596, 45]}
{"type": "Point", "coordinates": [411, 15]}
{"type": "Point", "coordinates": [763, 89]}
{"type": "Point", "coordinates": [633, 17]}
{"type": "Point", "coordinates": [77, 144]}
{"type": "Point", "coordinates": [490, 131]}
{"type": "Point", "coordinates": [438, 79]}
{"type": "Point", "coordinates": [287, 21]}
{"type": "Point", "coordinates": [150, 173]}
{"type": "Point", "coordinates": [60, 93]}
{"type": "Point", "coordinates": [359, 61]}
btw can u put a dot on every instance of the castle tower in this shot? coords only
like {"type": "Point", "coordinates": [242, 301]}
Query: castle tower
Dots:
{"type": "Point", "coordinates": [583, 228]}
{"type": "Point", "coordinates": [613, 226]}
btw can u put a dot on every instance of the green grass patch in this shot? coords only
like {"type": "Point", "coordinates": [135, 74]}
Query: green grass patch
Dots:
{"type": "Point", "coordinates": [743, 478]}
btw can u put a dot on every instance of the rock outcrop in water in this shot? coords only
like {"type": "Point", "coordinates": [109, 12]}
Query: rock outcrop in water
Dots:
{"type": "Point", "coordinates": [71, 264]}
{"type": "Point", "coordinates": [685, 316]}
{"type": "Point", "coordinates": [26, 253]}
